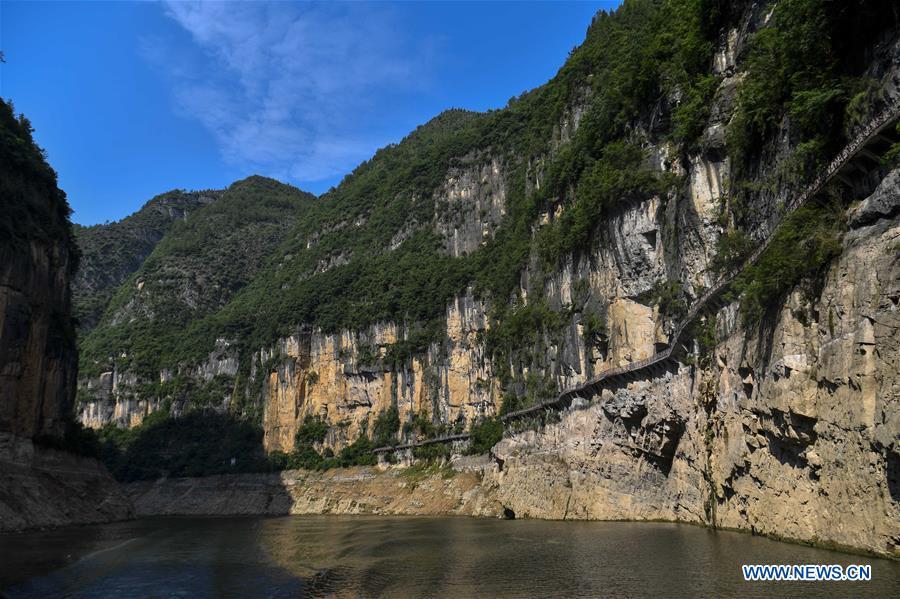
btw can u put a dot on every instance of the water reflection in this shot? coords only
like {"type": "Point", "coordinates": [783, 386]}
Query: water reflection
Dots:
{"type": "Point", "coordinates": [407, 557]}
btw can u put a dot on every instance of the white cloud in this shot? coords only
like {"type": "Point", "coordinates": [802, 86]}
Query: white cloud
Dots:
{"type": "Point", "coordinates": [286, 89]}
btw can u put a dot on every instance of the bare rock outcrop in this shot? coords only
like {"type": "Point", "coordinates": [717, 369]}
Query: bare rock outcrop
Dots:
{"type": "Point", "coordinates": [423, 492]}
{"type": "Point", "coordinates": [792, 430]}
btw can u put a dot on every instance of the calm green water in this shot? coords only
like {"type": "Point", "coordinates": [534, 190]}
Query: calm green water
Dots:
{"type": "Point", "coordinates": [407, 557]}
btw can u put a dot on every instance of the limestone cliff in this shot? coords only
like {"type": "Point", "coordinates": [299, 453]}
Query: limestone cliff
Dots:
{"type": "Point", "coordinates": [38, 349]}
{"type": "Point", "coordinates": [346, 379]}
{"type": "Point", "coordinates": [38, 360]}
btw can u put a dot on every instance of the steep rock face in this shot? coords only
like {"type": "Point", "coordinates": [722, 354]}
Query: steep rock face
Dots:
{"type": "Point", "coordinates": [117, 396]}
{"type": "Point", "coordinates": [612, 460]}
{"type": "Point", "coordinates": [819, 407]}
{"type": "Point", "coordinates": [346, 379]}
{"type": "Point", "coordinates": [470, 204]}
{"type": "Point", "coordinates": [791, 431]}
{"type": "Point", "coordinates": [115, 401]}
{"type": "Point", "coordinates": [720, 439]}
{"type": "Point", "coordinates": [461, 184]}
{"type": "Point", "coordinates": [37, 348]}
{"type": "Point", "coordinates": [38, 360]}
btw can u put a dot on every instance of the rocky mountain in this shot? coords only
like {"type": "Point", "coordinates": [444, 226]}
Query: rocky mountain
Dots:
{"type": "Point", "coordinates": [489, 261]}
{"type": "Point", "coordinates": [38, 357]}
{"type": "Point", "coordinates": [111, 252]}
{"type": "Point", "coordinates": [192, 273]}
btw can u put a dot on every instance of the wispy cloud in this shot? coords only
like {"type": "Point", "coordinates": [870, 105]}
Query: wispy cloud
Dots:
{"type": "Point", "coordinates": [286, 89]}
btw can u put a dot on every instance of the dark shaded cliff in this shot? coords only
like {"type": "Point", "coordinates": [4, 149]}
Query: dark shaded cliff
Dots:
{"type": "Point", "coordinates": [38, 257]}
{"type": "Point", "coordinates": [40, 484]}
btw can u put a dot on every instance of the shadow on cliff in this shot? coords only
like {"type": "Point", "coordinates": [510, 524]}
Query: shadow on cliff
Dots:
{"type": "Point", "coordinates": [892, 471]}
{"type": "Point", "coordinates": [200, 443]}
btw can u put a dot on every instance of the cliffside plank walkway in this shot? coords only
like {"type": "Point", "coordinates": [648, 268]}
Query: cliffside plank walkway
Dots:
{"type": "Point", "coordinates": [846, 164]}
{"type": "Point", "coordinates": [423, 443]}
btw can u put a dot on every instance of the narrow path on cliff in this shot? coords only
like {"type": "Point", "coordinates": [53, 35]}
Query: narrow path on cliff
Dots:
{"type": "Point", "coordinates": [841, 168]}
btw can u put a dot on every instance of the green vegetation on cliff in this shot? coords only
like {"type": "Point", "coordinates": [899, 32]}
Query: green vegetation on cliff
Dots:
{"type": "Point", "coordinates": [484, 435]}
{"type": "Point", "coordinates": [807, 66]}
{"type": "Point", "coordinates": [368, 252]}
{"type": "Point", "coordinates": [33, 207]}
{"type": "Point", "coordinates": [805, 243]}
{"type": "Point", "coordinates": [806, 76]}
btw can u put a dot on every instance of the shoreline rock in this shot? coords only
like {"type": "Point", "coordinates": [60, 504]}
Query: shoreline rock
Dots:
{"type": "Point", "coordinates": [44, 488]}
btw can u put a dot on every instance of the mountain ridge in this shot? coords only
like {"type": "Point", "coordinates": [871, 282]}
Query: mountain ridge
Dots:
{"type": "Point", "coordinates": [112, 251]}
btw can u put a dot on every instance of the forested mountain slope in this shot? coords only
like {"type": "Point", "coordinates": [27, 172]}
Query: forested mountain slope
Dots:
{"type": "Point", "coordinates": [110, 252]}
{"type": "Point", "coordinates": [192, 272]}
{"type": "Point", "coordinates": [455, 204]}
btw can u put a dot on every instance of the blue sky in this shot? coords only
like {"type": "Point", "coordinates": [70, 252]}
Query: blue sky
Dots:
{"type": "Point", "coordinates": [131, 99]}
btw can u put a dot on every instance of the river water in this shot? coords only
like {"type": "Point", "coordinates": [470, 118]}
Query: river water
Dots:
{"type": "Point", "coordinates": [345, 556]}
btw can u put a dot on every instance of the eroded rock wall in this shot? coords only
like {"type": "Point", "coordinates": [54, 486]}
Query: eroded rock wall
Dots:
{"type": "Point", "coordinates": [38, 360]}
{"type": "Point", "coordinates": [348, 379]}
{"type": "Point", "coordinates": [788, 428]}
{"type": "Point", "coordinates": [791, 430]}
